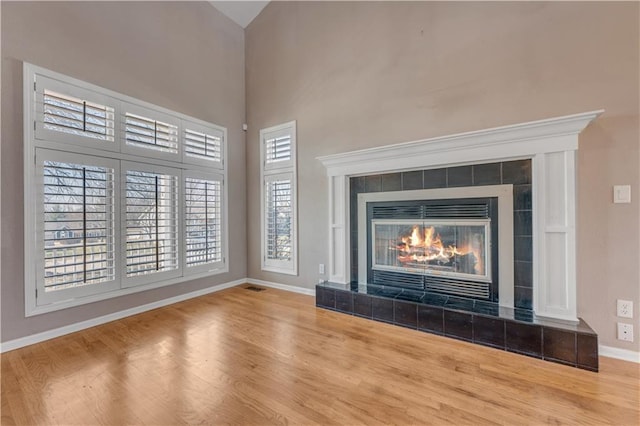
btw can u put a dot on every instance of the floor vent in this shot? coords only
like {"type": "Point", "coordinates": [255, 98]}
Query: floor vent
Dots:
{"type": "Point", "coordinates": [254, 288]}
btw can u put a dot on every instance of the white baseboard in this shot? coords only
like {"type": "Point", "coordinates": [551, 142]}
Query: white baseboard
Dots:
{"type": "Point", "coordinates": [72, 328]}
{"type": "Point", "coordinates": [291, 288]}
{"type": "Point", "coordinates": [617, 353]}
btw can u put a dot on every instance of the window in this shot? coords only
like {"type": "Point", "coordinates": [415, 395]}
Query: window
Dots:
{"type": "Point", "coordinates": [203, 145]}
{"type": "Point", "coordinates": [67, 114]}
{"type": "Point", "coordinates": [279, 223]}
{"type": "Point", "coordinates": [120, 195]}
{"type": "Point", "coordinates": [71, 114]}
{"type": "Point", "coordinates": [203, 221]}
{"type": "Point", "coordinates": [151, 222]}
{"type": "Point", "coordinates": [149, 132]}
{"type": "Point", "coordinates": [75, 225]}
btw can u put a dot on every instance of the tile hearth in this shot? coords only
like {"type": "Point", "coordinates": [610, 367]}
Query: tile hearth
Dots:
{"type": "Point", "coordinates": [485, 323]}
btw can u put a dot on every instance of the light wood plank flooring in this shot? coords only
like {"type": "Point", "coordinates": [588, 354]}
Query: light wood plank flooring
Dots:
{"type": "Point", "coordinates": [241, 357]}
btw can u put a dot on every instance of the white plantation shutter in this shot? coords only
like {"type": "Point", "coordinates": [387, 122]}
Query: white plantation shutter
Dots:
{"type": "Point", "coordinates": [151, 224]}
{"type": "Point", "coordinates": [279, 217]}
{"type": "Point", "coordinates": [202, 145]}
{"type": "Point", "coordinates": [279, 224]}
{"type": "Point", "coordinates": [278, 149]}
{"type": "Point", "coordinates": [77, 224]}
{"type": "Point", "coordinates": [149, 133]}
{"type": "Point", "coordinates": [203, 222]}
{"type": "Point", "coordinates": [70, 114]}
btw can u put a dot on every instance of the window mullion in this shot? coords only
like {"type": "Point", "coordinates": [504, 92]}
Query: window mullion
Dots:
{"type": "Point", "coordinates": [84, 223]}
{"type": "Point", "coordinates": [157, 225]}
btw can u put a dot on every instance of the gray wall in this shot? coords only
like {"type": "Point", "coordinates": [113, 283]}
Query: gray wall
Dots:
{"type": "Point", "coordinates": [185, 56]}
{"type": "Point", "coordinates": [366, 74]}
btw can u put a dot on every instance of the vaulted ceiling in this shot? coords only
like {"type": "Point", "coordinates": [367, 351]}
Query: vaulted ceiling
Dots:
{"type": "Point", "coordinates": [241, 12]}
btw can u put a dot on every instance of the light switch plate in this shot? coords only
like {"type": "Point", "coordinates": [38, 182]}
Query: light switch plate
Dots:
{"type": "Point", "coordinates": [621, 194]}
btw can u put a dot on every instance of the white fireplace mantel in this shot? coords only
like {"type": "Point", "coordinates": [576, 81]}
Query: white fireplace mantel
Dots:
{"type": "Point", "coordinates": [551, 145]}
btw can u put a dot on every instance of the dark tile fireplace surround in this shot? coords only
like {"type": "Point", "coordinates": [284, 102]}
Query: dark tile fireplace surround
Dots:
{"type": "Point", "coordinates": [515, 330]}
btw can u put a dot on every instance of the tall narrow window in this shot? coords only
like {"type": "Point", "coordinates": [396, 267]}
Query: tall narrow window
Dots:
{"type": "Point", "coordinates": [279, 217]}
{"type": "Point", "coordinates": [203, 221]}
{"type": "Point", "coordinates": [151, 233]}
{"type": "Point", "coordinates": [279, 225]}
{"type": "Point", "coordinates": [77, 222]}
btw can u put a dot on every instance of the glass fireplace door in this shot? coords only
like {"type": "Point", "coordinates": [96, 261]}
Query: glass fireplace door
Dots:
{"type": "Point", "coordinates": [455, 248]}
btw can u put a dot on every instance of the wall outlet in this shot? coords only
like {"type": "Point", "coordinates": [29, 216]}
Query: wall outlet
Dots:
{"type": "Point", "coordinates": [321, 268]}
{"type": "Point", "coordinates": [625, 308]}
{"type": "Point", "coordinates": [621, 194]}
{"type": "Point", "coordinates": [625, 332]}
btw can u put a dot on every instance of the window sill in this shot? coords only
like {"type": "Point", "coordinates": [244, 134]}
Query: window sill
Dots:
{"type": "Point", "coordinates": [70, 303]}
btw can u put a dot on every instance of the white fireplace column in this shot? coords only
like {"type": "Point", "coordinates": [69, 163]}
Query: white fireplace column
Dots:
{"type": "Point", "coordinates": [551, 145]}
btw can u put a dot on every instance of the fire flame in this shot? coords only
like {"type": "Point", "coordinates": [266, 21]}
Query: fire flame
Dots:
{"type": "Point", "coordinates": [417, 248]}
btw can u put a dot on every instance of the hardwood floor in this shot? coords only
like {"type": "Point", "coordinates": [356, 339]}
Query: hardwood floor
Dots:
{"type": "Point", "coordinates": [241, 357]}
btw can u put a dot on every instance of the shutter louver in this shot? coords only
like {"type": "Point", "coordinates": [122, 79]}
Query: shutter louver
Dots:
{"type": "Point", "coordinates": [279, 219]}
{"type": "Point", "coordinates": [203, 219]}
{"type": "Point", "coordinates": [78, 225]}
{"type": "Point", "coordinates": [278, 149]}
{"type": "Point", "coordinates": [202, 145]}
{"type": "Point", "coordinates": [148, 133]}
{"type": "Point", "coordinates": [151, 223]}
{"type": "Point", "coordinates": [71, 115]}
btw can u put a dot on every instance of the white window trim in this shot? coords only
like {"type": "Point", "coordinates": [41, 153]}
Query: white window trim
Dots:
{"type": "Point", "coordinates": [268, 172]}
{"type": "Point", "coordinates": [114, 152]}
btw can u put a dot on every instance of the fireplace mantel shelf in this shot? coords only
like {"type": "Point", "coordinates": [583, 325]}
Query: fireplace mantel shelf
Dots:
{"type": "Point", "coordinates": [518, 139]}
{"type": "Point", "coordinates": [551, 145]}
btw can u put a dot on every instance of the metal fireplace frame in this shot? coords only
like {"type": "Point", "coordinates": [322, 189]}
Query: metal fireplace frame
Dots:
{"type": "Point", "coordinates": [504, 240]}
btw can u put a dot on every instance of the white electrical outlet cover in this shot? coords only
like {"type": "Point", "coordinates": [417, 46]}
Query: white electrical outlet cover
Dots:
{"type": "Point", "coordinates": [625, 332]}
{"type": "Point", "coordinates": [624, 308]}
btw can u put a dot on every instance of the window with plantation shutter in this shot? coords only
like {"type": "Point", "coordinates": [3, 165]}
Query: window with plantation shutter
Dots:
{"type": "Point", "coordinates": [278, 149]}
{"type": "Point", "coordinates": [151, 224]}
{"type": "Point", "coordinates": [67, 114]}
{"type": "Point", "coordinates": [203, 222]}
{"type": "Point", "coordinates": [77, 223]}
{"type": "Point", "coordinates": [278, 207]}
{"type": "Point", "coordinates": [278, 217]}
{"type": "Point", "coordinates": [120, 195]}
{"type": "Point", "coordinates": [149, 133]}
{"type": "Point", "coordinates": [70, 114]}
{"type": "Point", "coordinates": [203, 144]}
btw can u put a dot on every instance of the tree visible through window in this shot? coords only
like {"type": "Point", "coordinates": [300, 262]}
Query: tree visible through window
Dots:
{"type": "Point", "coordinates": [152, 222]}
{"type": "Point", "coordinates": [78, 225]}
{"type": "Point", "coordinates": [203, 221]}
{"type": "Point", "coordinates": [278, 171]}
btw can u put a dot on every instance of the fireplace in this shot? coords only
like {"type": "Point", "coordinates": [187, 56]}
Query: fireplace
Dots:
{"type": "Point", "coordinates": [441, 246]}
{"type": "Point", "coordinates": [548, 262]}
{"type": "Point", "coordinates": [517, 267]}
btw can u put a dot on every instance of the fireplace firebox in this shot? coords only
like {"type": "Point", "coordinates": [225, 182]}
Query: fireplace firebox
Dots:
{"type": "Point", "coordinates": [442, 246]}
